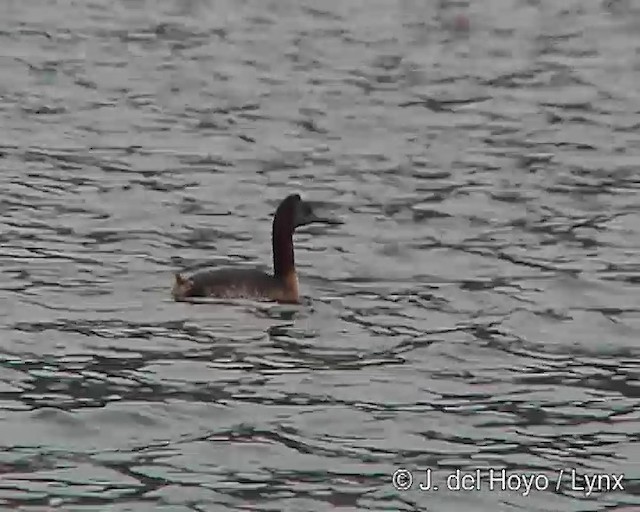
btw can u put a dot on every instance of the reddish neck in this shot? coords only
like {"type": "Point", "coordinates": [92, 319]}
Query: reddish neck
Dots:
{"type": "Point", "coordinates": [282, 241]}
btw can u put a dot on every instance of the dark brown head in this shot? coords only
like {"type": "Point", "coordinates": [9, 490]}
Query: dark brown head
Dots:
{"type": "Point", "coordinates": [294, 212]}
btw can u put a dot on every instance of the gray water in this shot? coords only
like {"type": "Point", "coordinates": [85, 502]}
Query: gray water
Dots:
{"type": "Point", "coordinates": [479, 308]}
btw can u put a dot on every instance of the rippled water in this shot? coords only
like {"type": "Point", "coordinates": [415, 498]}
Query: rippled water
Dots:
{"type": "Point", "coordinates": [479, 309]}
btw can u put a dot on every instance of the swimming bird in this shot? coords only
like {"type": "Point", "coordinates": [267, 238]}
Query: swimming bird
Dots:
{"type": "Point", "coordinates": [282, 286]}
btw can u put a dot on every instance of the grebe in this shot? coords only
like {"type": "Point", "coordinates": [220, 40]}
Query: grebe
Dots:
{"type": "Point", "coordinates": [282, 286]}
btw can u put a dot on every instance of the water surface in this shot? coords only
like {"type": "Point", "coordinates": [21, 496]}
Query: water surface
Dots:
{"type": "Point", "coordinates": [479, 309]}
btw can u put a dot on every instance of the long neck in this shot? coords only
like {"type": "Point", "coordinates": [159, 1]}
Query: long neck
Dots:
{"type": "Point", "coordinates": [282, 241]}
